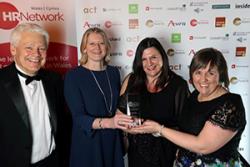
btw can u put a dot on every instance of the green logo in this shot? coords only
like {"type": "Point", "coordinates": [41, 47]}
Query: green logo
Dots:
{"type": "Point", "coordinates": [176, 38]}
{"type": "Point", "coordinates": [133, 8]}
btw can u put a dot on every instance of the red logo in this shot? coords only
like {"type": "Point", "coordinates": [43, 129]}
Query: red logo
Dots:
{"type": "Point", "coordinates": [193, 22]}
{"type": "Point", "coordinates": [240, 51]}
{"type": "Point", "coordinates": [9, 16]}
{"type": "Point", "coordinates": [220, 22]}
{"type": "Point", "coordinates": [108, 24]}
{"type": "Point", "coordinates": [130, 53]}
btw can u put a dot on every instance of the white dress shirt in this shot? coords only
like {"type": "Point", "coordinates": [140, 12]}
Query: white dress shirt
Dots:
{"type": "Point", "coordinates": [43, 140]}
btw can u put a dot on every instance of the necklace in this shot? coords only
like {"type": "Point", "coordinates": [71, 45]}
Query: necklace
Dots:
{"type": "Point", "coordinates": [104, 97]}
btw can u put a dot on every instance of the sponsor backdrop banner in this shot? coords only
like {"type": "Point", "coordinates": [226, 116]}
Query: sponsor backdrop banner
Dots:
{"type": "Point", "coordinates": [56, 17]}
{"type": "Point", "coordinates": [183, 27]}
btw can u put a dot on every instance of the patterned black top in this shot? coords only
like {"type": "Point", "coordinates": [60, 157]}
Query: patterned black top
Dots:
{"type": "Point", "coordinates": [226, 111]}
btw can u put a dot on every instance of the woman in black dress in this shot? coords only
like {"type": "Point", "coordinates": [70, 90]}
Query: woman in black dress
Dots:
{"type": "Point", "coordinates": [162, 94]}
{"type": "Point", "coordinates": [215, 118]}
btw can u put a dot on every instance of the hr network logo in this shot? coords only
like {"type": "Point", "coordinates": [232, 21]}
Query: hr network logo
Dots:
{"type": "Point", "coordinates": [10, 16]}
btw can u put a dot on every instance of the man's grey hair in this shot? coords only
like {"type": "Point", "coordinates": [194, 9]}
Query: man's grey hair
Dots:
{"type": "Point", "coordinates": [27, 27]}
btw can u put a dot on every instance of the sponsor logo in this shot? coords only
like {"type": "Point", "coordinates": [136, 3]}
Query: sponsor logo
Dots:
{"type": "Point", "coordinates": [176, 37]}
{"type": "Point", "coordinates": [10, 16]}
{"type": "Point", "coordinates": [191, 37]}
{"type": "Point", "coordinates": [130, 53]}
{"type": "Point", "coordinates": [133, 39]}
{"type": "Point", "coordinates": [150, 23]}
{"type": "Point", "coordinates": [87, 25]}
{"type": "Point", "coordinates": [241, 39]}
{"type": "Point", "coordinates": [109, 24]}
{"type": "Point", "coordinates": [223, 38]}
{"type": "Point", "coordinates": [242, 6]}
{"type": "Point", "coordinates": [133, 8]}
{"type": "Point", "coordinates": [175, 67]}
{"type": "Point", "coordinates": [90, 10]}
{"type": "Point", "coordinates": [238, 21]}
{"type": "Point", "coordinates": [133, 23]}
{"type": "Point", "coordinates": [234, 66]}
{"type": "Point", "coordinates": [221, 6]}
{"type": "Point", "coordinates": [235, 80]}
{"type": "Point", "coordinates": [114, 39]}
{"type": "Point", "coordinates": [116, 54]}
{"type": "Point", "coordinates": [179, 8]}
{"type": "Point", "coordinates": [191, 52]}
{"type": "Point", "coordinates": [128, 67]}
{"type": "Point", "coordinates": [198, 3]}
{"type": "Point", "coordinates": [111, 9]}
{"type": "Point", "coordinates": [241, 33]}
{"type": "Point", "coordinates": [149, 8]}
{"type": "Point", "coordinates": [220, 22]}
{"type": "Point", "coordinates": [224, 51]}
{"type": "Point", "coordinates": [195, 22]}
{"type": "Point", "coordinates": [172, 23]}
{"type": "Point", "coordinates": [198, 10]}
{"type": "Point", "coordinates": [240, 51]}
{"type": "Point", "coordinates": [171, 52]}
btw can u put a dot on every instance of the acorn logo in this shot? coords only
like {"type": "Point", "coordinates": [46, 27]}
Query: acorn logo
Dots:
{"type": "Point", "coordinates": [233, 80]}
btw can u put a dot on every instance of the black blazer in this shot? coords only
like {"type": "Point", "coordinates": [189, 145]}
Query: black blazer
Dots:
{"type": "Point", "coordinates": [15, 130]}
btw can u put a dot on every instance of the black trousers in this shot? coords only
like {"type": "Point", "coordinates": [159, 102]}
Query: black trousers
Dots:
{"type": "Point", "coordinates": [50, 161]}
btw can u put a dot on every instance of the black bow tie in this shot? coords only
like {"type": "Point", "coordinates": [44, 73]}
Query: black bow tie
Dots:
{"type": "Point", "coordinates": [29, 79]}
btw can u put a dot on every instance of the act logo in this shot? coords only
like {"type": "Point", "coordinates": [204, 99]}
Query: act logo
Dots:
{"type": "Point", "coordinates": [9, 16]}
{"type": "Point", "coordinates": [89, 10]}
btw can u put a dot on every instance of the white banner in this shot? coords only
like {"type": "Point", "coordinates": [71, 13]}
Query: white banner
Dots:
{"type": "Point", "coordinates": [183, 27]}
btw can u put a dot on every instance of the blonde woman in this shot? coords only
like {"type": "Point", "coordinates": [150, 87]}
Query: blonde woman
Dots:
{"type": "Point", "coordinates": [91, 92]}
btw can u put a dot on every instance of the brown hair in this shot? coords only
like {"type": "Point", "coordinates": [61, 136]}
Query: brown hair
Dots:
{"type": "Point", "coordinates": [213, 56]}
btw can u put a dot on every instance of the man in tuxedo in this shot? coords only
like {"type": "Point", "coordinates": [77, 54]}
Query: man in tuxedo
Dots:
{"type": "Point", "coordinates": [30, 100]}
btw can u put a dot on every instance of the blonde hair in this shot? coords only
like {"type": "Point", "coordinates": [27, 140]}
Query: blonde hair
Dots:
{"type": "Point", "coordinates": [84, 57]}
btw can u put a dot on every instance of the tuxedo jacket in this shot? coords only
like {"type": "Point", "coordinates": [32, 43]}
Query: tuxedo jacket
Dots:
{"type": "Point", "coordinates": [15, 130]}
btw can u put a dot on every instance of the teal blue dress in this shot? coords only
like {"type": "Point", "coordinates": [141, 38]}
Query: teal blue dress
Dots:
{"type": "Point", "coordinates": [93, 148]}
